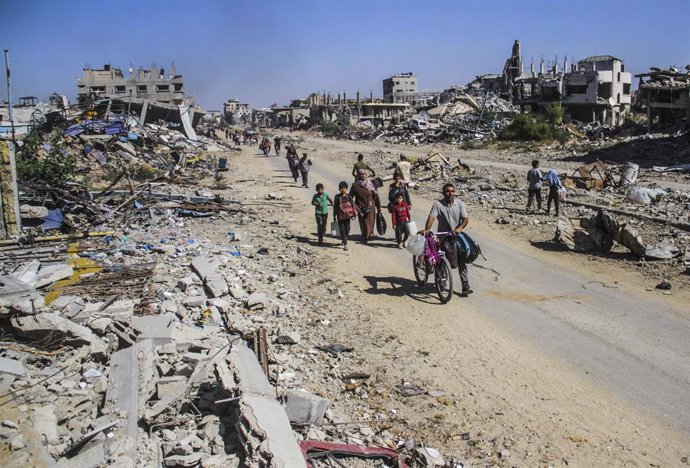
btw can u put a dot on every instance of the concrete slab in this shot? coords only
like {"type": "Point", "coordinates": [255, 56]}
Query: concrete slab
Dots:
{"type": "Point", "coordinates": [12, 367]}
{"type": "Point", "coordinates": [268, 417]}
{"type": "Point", "coordinates": [122, 398]}
{"type": "Point", "coordinates": [248, 372]}
{"type": "Point", "coordinates": [159, 328]}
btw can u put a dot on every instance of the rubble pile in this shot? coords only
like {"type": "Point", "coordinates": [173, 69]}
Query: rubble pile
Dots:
{"type": "Point", "coordinates": [190, 329]}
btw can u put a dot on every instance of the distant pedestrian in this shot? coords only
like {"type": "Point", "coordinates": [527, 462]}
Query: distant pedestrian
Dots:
{"type": "Point", "coordinates": [554, 182]}
{"type": "Point", "coordinates": [359, 165]}
{"type": "Point", "coordinates": [276, 143]}
{"type": "Point", "coordinates": [344, 210]}
{"type": "Point", "coordinates": [401, 218]}
{"type": "Point", "coordinates": [321, 200]}
{"type": "Point", "coordinates": [404, 168]}
{"type": "Point", "coordinates": [304, 165]}
{"type": "Point", "coordinates": [534, 179]}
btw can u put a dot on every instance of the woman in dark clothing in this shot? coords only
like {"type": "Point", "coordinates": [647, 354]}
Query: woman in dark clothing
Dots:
{"type": "Point", "coordinates": [363, 192]}
{"type": "Point", "coordinates": [398, 186]}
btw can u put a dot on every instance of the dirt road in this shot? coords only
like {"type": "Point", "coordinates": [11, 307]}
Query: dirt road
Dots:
{"type": "Point", "coordinates": [569, 358]}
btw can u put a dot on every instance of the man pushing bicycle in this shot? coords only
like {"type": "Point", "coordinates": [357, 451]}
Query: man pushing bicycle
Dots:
{"type": "Point", "coordinates": [451, 214]}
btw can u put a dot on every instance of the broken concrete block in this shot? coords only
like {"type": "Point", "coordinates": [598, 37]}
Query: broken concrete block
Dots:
{"type": "Point", "coordinates": [38, 326]}
{"type": "Point", "coordinates": [28, 272]}
{"type": "Point", "coordinates": [306, 408]}
{"type": "Point", "coordinates": [48, 274]}
{"type": "Point", "coordinates": [157, 327]}
{"type": "Point", "coordinates": [68, 305]}
{"type": "Point", "coordinates": [184, 283]}
{"type": "Point", "coordinates": [45, 423]}
{"type": "Point", "coordinates": [91, 455]}
{"type": "Point", "coordinates": [207, 269]}
{"type": "Point", "coordinates": [257, 301]}
{"type": "Point", "coordinates": [12, 367]}
{"type": "Point", "coordinates": [183, 460]}
{"type": "Point", "coordinates": [194, 301]}
{"type": "Point", "coordinates": [288, 338]}
{"type": "Point", "coordinates": [122, 397]}
{"type": "Point", "coordinates": [29, 212]}
{"type": "Point", "coordinates": [168, 385]}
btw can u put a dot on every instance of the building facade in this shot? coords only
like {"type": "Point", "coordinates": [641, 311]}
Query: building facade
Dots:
{"type": "Point", "coordinates": [398, 86]}
{"type": "Point", "coordinates": [235, 112]}
{"type": "Point", "coordinates": [152, 84]}
{"type": "Point", "coordinates": [665, 93]}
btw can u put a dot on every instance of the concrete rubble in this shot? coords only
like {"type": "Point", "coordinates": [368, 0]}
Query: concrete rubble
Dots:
{"type": "Point", "coordinates": [151, 342]}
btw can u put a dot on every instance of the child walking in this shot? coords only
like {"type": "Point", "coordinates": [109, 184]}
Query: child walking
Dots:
{"type": "Point", "coordinates": [401, 216]}
{"type": "Point", "coordinates": [344, 211]}
{"type": "Point", "coordinates": [321, 200]}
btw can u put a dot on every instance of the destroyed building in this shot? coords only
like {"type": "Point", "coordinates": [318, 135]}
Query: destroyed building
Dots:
{"type": "Point", "coordinates": [149, 95]}
{"type": "Point", "coordinates": [666, 96]}
{"type": "Point", "coordinates": [235, 112]}
{"type": "Point", "coordinates": [152, 83]}
{"type": "Point", "coordinates": [596, 89]}
{"type": "Point", "coordinates": [397, 87]}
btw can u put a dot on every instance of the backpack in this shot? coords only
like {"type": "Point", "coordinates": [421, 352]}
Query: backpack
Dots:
{"type": "Point", "coordinates": [346, 209]}
{"type": "Point", "coordinates": [431, 255]}
{"type": "Point", "coordinates": [467, 248]}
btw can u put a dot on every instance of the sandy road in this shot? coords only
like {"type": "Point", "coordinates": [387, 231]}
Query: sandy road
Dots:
{"type": "Point", "coordinates": [538, 338]}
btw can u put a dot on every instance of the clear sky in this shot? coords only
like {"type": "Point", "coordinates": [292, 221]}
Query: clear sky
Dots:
{"type": "Point", "coordinates": [265, 52]}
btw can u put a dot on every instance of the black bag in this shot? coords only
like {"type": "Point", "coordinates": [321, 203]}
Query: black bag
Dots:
{"type": "Point", "coordinates": [380, 223]}
{"type": "Point", "coordinates": [467, 248]}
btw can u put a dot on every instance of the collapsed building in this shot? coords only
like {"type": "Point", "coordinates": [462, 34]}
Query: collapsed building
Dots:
{"type": "Point", "coordinates": [149, 93]}
{"type": "Point", "coordinates": [596, 89]}
{"type": "Point", "coordinates": [666, 96]}
{"type": "Point", "coordinates": [235, 112]}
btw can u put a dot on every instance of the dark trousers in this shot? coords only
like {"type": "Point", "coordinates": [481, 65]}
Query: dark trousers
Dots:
{"type": "Point", "coordinates": [401, 232]}
{"type": "Point", "coordinates": [553, 195]}
{"type": "Point", "coordinates": [531, 193]}
{"type": "Point", "coordinates": [344, 228]}
{"type": "Point", "coordinates": [321, 221]}
{"type": "Point", "coordinates": [305, 178]}
{"type": "Point", "coordinates": [456, 260]}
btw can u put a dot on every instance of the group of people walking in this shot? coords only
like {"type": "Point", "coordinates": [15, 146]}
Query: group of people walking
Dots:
{"type": "Point", "coordinates": [535, 181]}
{"type": "Point", "coordinates": [361, 200]}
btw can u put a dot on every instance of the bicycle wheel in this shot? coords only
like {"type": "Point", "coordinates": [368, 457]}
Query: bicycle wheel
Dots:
{"type": "Point", "coordinates": [443, 280]}
{"type": "Point", "coordinates": [421, 273]}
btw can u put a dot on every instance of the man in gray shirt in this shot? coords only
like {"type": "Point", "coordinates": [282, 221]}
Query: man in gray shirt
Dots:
{"type": "Point", "coordinates": [451, 214]}
{"type": "Point", "coordinates": [534, 179]}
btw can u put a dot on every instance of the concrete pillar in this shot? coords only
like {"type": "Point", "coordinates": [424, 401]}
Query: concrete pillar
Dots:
{"type": "Point", "coordinates": [650, 115]}
{"type": "Point", "coordinates": [11, 223]}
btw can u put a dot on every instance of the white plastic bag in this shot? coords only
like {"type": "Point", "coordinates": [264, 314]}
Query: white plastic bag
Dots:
{"type": "Point", "coordinates": [644, 196]}
{"type": "Point", "coordinates": [416, 244]}
{"type": "Point", "coordinates": [411, 228]}
{"type": "Point", "coordinates": [562, 194]}
{"type": "Point", "coordinates": [334, 228]}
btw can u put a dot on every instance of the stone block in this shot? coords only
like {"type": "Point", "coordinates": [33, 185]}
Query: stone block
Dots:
{"type": "Point", "coordinates": [306, 408]}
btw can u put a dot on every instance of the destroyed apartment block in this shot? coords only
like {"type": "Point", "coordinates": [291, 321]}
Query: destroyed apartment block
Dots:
{"type": "Point", "coordinates": [595, 90]}
{"type": "Point", "coordinates": [666, 96]}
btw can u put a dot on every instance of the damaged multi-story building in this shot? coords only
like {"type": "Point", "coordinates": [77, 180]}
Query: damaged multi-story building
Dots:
{"type": "Point", "coordinates": [151, 83]}
{"type": "Point", "coordinates": [235, 112]}
{"type": "Point", "coordinates": [402, 88]}
{"type": "Point", "coordinates": [666, 96]}
{"type": "Point", "coordinates": [596, 89]}
{"type": "Point", "coordinates": [149, 94]}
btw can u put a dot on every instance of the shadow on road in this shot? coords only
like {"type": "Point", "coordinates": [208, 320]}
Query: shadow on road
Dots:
{"type": "Point", "coordinates": [401, 287]}
{"type": "Point", "coordinates": [549, 246]}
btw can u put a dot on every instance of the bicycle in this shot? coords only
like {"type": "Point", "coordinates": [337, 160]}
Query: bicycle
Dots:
{"type": "Point", "coordinates": [443, 279]}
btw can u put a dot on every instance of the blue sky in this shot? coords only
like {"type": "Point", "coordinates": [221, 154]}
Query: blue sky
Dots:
{"type": "Point", "coordinates": [265, 52]}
